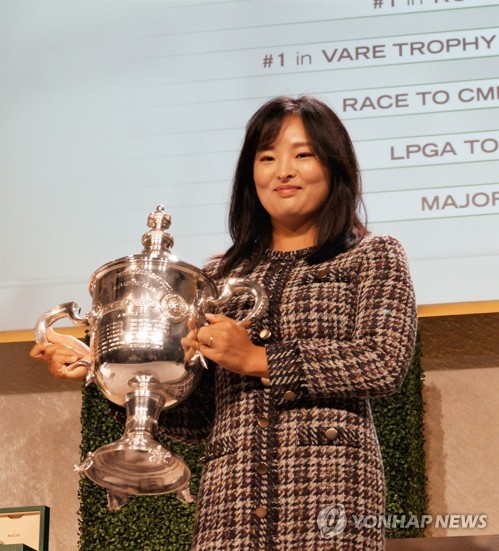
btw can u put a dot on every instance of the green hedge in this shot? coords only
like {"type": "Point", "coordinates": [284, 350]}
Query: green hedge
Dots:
{"type": "Point", "coordinates": [399, 423]}
{"type": "Point", "coordinates": [162, 523]}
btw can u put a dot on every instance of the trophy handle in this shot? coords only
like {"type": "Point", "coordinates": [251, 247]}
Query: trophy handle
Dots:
{"type": "Point", "coordinates": [44, 333]}
{"type": "Point", "coordinates": [236, 285]}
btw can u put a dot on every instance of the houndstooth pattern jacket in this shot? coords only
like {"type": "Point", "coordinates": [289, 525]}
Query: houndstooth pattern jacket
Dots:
{"type": "Point", "coordinates": [291, 459]}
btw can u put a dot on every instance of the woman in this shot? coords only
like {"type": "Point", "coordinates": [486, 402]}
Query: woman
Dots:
{"type": "Point", "coordinates": [291, 452]}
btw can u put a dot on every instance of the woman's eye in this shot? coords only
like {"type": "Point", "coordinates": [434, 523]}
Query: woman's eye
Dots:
{"type": "Point", "coordinates": [266, 158]}
{"type": "Point", "coordinates": [305, 154]}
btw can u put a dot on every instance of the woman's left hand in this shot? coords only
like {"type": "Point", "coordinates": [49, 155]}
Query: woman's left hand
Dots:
{"type": "Point", "coordinates": [227, 343]}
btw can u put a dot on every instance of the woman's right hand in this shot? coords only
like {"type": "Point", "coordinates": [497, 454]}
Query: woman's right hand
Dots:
{"type": "Point", "coordinates": [190, 342]}
{"type": "Point", "coordinates": [60, 356]}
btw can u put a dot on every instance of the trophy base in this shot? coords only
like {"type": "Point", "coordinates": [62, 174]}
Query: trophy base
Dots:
{"type": "Point", "coordinates": [137, 464]}
{"type": "Point", "coordinates": [126, 468]}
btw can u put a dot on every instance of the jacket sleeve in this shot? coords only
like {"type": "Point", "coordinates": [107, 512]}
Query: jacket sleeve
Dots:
{"type": "Point", "coordinates": [374, 362]}
{"type": "Point", "coordinates": [190, 421]}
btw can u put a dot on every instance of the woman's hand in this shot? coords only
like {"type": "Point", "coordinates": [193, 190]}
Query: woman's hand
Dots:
{"type": "Point", "coordinates": [59, 355]}
{"type": "Point", "coordinates": [190, 342]}
{"type": "Point", "coordinates": [227, 343]}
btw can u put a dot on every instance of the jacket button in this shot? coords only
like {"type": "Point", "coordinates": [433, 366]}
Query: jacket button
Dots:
{"type": "Point", "coordinates": [263, 422]}
{"type": "Point", "coordinates": [262, 468]}
{"type": "Point", "coordinates": [216, 448]}
{"type": "Point", "coordinates": [322, 273]}
{"type": "Point", "coordinates": [289, 395]}
{"type": "Point", "coordinates": [261, 512]}
{"type": "Point", "coordinates": [265, 381]}
{"type": "Point", "coordinates": [331, 433]}
{"type": "Point", "coordinates": [265, 334]}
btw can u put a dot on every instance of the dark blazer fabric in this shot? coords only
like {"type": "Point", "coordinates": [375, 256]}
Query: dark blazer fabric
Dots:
{"type": "Point", "coordinates": [285, 451]}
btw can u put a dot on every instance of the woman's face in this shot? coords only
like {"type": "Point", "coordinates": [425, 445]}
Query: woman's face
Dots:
{"type": "Point", "coordinates": [291, 183]}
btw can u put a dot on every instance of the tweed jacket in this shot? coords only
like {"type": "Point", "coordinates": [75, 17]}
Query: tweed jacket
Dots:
{"type": "Point", "coordinates": [290, 459]}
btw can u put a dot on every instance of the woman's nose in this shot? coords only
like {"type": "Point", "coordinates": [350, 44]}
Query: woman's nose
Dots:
{"type": "Point", "coordinates": [286, 170]}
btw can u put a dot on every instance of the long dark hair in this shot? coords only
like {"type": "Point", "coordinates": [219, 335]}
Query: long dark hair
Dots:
{"type": "Point", "coordinates": [338, 224]}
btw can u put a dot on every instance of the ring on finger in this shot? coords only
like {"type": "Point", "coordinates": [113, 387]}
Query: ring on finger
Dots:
{"type": "Point", "coordinates": [210, 342]}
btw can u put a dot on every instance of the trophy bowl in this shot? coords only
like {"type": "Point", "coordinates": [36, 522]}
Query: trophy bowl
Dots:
{"type": "Point", "coordinates": [142, 307]}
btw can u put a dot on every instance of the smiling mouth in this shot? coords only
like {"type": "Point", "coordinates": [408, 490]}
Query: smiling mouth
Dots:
{"type": "Point", "coordinates": [285, 188]}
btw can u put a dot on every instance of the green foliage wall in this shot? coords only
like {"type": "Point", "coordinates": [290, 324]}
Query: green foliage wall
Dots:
{"type": "Point", "coordinates": [162, 523]}
{"type": "Point", "coordinates": [399, 423]}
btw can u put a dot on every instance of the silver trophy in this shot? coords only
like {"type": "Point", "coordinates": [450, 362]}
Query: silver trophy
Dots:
{"type": "Point", "coordinates": [142, 306]}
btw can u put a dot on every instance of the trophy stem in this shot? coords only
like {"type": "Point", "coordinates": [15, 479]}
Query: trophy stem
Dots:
{"type": "Point", "coordinates": [137, 464]}
{"type": "Point", "coordinates": [143, 407]}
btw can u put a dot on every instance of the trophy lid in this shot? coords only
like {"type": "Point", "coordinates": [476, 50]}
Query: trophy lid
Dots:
{"type": "Point", "coordinates": [158, 241]}
{"type": "Point", "coordinates": [156, 252]}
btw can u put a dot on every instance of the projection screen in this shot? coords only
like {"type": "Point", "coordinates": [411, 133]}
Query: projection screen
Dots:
{"type": "Point", "coordinates": [110, 108]}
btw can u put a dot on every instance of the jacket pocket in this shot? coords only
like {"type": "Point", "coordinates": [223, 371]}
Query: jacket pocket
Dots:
{"type": "Point", "coordinates": [327, 435]}
{"type": "Point", "coordinates": [220, 446]}
{"type": "Point", "coordinates": [325, 274]}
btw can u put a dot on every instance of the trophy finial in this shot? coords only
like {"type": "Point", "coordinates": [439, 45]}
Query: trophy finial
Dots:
{"type": "Point", "coordinates": [158, 240]}
{"type": "Point", "coordinates": [159, 220]}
